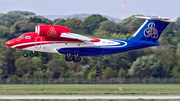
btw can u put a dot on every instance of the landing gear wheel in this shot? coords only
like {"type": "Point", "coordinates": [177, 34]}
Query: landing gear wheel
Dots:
{"type": "Point", "coordinates": [25, 54]}
{"type": "Point", "coordinates": [69, 57]}
{"type": "Point", "coordinates": [77, 58]}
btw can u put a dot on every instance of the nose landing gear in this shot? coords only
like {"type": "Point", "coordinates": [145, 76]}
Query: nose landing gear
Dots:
{"type": "Point", "coordinates": [25, 54]}
{"type": "Point", "coordinates": [75, 57]}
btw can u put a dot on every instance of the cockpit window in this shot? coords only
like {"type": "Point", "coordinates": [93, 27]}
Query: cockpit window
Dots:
{"type": "Point", "coordinates": [25, 37]}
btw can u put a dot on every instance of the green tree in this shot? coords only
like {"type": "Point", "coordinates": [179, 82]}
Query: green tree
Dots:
{"type": "Point", "coordinates": [122, 73]}
{"type": "Point", "coordinates": [7, 59]}
{"type": "Point", "coordinates": [102, 34]}
{"type": "Point", "coordinates": [178, 21]}
{"type": "Point", "coordinates": [93, 22]}
{"type": "Point", "coordinates": [54, 65]}
{"type": "Point", "coordinates": [96, 64]}
{"type": "Point", "coordinates": [132, 23]}
{"type": "Point", "coordinates": [106, 35]}
{"type": "Point", "coordinates": [59, 67]}
{"type": "Point", "coordinates": [11, 17]}
{"type": "Point", "coordinates": [2, 22]}
{"type": "Point", "coordinates": [176, 69]}
{"type": "Point", "coordinates": [21, 27]}
{"type": "Point", "coordinates": [30, 27]}
{"type": "Point", "coordinates": [45, 57]}
{"type": "Point", "coordinates": [7, 62]}
{"type": "Point", "coordinates": [37, 63]}
{"type": "Point", "coordinates": [92, 75]}
{"type": "Point", "coordinates": [147, 66]}
{"type": "Point", "coordinates": [118, 61]}
{"type": "Point", "coordinates": [168, 58]}
{"type": "Point", "coordinates": [48, 74]}
{"type": "Point", "coordinates": [108, 73]}
{"type": "Point", "coordinates": [43, 74]}
{"type": "Point", "coordinates": [25, 13]}
{"type": "Point", "coordinates": [38, 74]}
{"type": "Point", "coordinates": [40, 20]}
{"type": "Point", "coordinates": [135, 24]}
{"type": "Point", "coordinates": [175, 72]}
{"type": "Point", "coordinates": [60, 22]}
{"type": "Point", "coordinates": [5, 32]}
{"type": "Point", "coordinates": [24, 66]}
{"type": "Point", "coordinates": [75, 25]}
{"type": "Point", "coordinates": [171, 29]}
{"type": "Point", "coordinates": [112, 27]}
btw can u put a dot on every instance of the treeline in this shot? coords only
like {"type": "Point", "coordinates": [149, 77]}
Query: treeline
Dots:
{"type": "Point", "coordinates": [141, 63]}
{"type": "Point", "coordinates": [61, 80]}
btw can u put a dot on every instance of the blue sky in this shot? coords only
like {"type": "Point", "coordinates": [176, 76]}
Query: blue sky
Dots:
{"type": "Point", "coordinates": [164, 8]}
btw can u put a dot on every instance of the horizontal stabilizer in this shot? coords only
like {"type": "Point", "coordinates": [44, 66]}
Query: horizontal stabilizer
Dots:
{"type": "Point", "coordinates": [156, 18]}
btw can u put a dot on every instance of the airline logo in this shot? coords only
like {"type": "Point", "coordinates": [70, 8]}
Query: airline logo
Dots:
{"type": "Point", "coordinates": [52, 32]}
{"type": "Point", "coordinates": [151, 31]}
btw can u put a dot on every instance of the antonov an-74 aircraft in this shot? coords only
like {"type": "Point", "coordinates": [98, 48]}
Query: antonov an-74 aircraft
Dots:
{"type": "Point", "coordinates": [59, 39]}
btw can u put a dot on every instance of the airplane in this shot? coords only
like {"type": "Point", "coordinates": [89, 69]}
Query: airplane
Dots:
{"type": "Point", "coordinates": [59, 39]}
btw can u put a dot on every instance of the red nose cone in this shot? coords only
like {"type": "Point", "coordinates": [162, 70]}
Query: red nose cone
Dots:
{"type": "Point", "coordinates": [10, 43]}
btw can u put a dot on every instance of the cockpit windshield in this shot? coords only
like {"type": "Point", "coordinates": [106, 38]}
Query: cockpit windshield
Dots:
{"type": "Point", "coordinates": [20, 36]}
{"type": "Point", "coordinates": [24, 37]}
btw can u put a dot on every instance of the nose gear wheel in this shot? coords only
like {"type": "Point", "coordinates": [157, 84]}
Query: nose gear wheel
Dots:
{"type": "Point", "coordinates": [25, 54]}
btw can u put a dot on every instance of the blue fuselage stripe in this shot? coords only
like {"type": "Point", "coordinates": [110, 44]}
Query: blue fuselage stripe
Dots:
{"type": "Point", "coordinates": [125, 45]}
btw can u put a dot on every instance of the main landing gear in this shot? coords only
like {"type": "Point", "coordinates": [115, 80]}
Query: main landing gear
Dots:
{"type": "Point", "coordinates": [75, 57]}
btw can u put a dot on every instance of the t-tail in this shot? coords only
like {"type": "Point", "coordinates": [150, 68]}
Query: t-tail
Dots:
{"type": "Point", "coordinates": [151, 29]}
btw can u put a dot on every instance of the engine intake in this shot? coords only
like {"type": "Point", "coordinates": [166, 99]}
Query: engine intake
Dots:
{"type": "Point", "coordinates": [51, 30]}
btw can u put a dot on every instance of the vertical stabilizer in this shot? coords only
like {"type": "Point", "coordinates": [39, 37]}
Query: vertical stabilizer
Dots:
{"type": "Point", "coordinates": [151, 29]}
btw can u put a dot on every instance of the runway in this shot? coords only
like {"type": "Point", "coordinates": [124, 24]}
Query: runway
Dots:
{"type": "Point", "coordinates": [89, 96]}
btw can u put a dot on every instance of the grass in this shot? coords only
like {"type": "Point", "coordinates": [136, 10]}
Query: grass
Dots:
{"type": "Point", "coordinates": [89, 89]}
{"type": "Point", "coordinates": [95, 100]}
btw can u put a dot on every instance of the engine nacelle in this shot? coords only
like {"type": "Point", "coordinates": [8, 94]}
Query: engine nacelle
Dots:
{"type": "Point", "coordinates": [51, 30]}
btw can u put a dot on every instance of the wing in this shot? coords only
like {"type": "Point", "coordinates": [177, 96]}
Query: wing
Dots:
{"type": "Point", "coordinates": [79, 37]}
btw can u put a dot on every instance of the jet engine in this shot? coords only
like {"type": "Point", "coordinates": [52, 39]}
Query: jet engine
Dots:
{"type": "Point", "coordinates": [51, 30]}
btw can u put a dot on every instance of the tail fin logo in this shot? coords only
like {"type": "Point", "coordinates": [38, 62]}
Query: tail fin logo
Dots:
{"type": "Point", "coordinates": [151, 31]}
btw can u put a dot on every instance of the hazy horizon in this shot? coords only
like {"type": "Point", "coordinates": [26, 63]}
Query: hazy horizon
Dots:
{"type": "Point", "coordinates": [112, 8]}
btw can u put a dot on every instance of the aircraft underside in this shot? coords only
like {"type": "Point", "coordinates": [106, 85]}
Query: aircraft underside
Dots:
{"type": "Point", "coordinates": [74, 53]}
